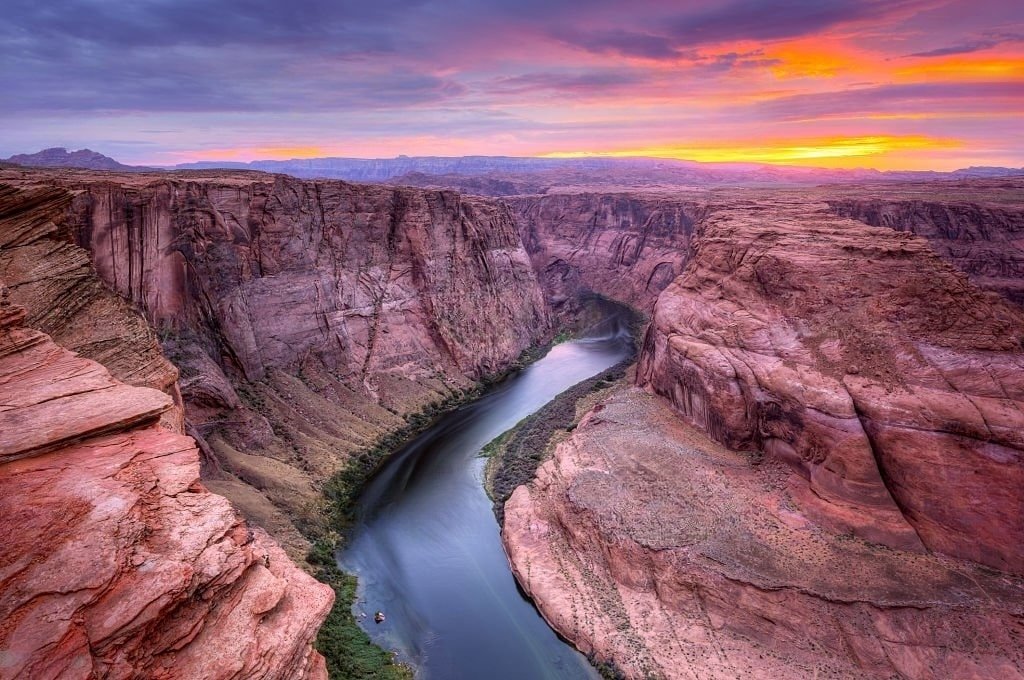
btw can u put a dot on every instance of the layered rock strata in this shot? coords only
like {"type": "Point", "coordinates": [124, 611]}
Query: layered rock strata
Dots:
{"type": "Point", "coordinates": [55, 282]}
{"type": "Point", "coordinates": [827, 480]}
{"type": "Point", "coordinates": [979, 227]}
{"type": "Point", "coordinates": [307, 318]}
{"type": "Point", "coordinates": [628, 247]}
{"type": "Point", "coordinates": [117, 561]}
{"type": "Point", "coordinates": [667, 555]}
{"type": "Point", "coordinates": [860, 357]}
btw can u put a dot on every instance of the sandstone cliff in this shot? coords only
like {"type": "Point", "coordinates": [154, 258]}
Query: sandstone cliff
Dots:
{"type": "Point", "coordinates": [55, 282]}
{"type": "Point", "coordinates": [871, 403]}
{"type": "Point", "coordinates": [978, 227]}
{"type": "Point", "coordinates": [117, 561]}
{"type": "Point", "coordinates": [669, 556]}
{"type": "Point", "coordinates": [307, 318]}
{"type": "Point", "coordinates": [624, 246]}
{"type": "Point", "coordinates": [859, 356]}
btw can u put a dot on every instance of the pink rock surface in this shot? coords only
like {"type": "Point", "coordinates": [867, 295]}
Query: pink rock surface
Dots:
{"type": "Point", "coordinates": [654, 548]}
{"type": "Point", "coordinates": [307, 318]}
{"type": "Point", "coordinates": [626, 246]}
{"type": "Point", "coordinates": [981, 233]}
{"type": "Point", "coordinates": [117, 562]}
{"type": "Point", "coordinates": [366, 279]}
{"type": "Point", "coordinates": [64, 297]}
{"type": "Point", "coordinates": [864, 360]}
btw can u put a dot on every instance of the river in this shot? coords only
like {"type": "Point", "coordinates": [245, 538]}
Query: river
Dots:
{"type": "Point", "coordinates": [427, 548]}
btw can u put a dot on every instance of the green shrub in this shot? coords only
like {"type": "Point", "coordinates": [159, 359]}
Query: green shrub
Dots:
{"type": "Point", "coordinates": [349, 652]}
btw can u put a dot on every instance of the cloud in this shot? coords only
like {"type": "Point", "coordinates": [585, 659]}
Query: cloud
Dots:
{"type": "Point", "coordinates": [620, 41]}
{"type": "Point", "coordinates": [677, 34]}
{"type": "Point", "coordinates": [160, 23]}
{"type": "Point", "coordinates": [905, 99]}
{"type": "Point", "coordinates": [504, 75]}
{"type": "Point", "coordinates": [583, 83]}
{"type": "Point", "coordinates": [971, 46]}
{"type": "Point", "coordinates": [770, 20]}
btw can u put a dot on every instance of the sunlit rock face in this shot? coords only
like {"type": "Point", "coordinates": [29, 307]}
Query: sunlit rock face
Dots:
{"type": "Point", "coordinates": [117, 562]}
{"type": "Point", "coordinates": [56, 284]}
{"type": "Point", "coordinates": [306, 318]}
{"type": "Point", "coordinates": [821, 477]}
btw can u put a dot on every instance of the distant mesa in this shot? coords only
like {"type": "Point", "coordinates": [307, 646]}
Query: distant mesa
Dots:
{"type": "Point", "coordinates": [59, 157]}
{"type": "Point", "coordinates": [512, 175]}
{"type": "Point", "coordinates": [508, 175]}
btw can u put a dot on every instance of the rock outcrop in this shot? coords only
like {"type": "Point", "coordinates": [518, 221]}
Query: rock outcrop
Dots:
{"type": "Point", "coordinates": [628, 247]}
{"type": "Point", "coordinates": [55, 282]}
{"type": "Point", "coordinates": [117, 562]}
{"type": "Point", "coordinates": [979, 227]}
{"type": "Point", "coordinates": [863, 359]}
{"type": "Point", "coordinates": [306, 318]}
{"type": "Point", "coordinates": [667, 555]}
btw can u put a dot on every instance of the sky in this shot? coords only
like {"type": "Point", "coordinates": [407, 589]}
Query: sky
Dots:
{"type": "Point", "coordinates": [888, 84]}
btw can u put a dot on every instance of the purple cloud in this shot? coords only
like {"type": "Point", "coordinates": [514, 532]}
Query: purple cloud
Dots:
{"type": "Point", "coordinates": [972, 46]}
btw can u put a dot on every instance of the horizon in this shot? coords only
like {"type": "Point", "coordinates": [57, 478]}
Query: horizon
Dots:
{"type": "Point", "coordinates": [553, 157]}
{"type": "Point", "coordinates": [841, 84]}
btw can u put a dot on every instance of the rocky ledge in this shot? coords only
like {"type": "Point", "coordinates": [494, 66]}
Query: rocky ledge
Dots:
{"type": "Point", "coordinates": [863, 359]}
{"type": "Point", "coordinates": [668, 555]}
{"type": "Point", "coordinates": [308, 319]}
{"type": "Point", "coordinates": [117, 561]}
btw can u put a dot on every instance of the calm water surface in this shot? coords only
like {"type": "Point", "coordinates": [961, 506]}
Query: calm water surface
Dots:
{"type": "Point", "coordinates": [427, 548]}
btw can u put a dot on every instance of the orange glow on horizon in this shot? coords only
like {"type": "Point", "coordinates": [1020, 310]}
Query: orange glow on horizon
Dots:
{"type": "Point", "coordinates": [828, 60]}
{"type": "Point", "coordinates": [243, 154]}
{"type": "Point", "coordinates": [881, 152]}
{"type": "Point", "coordinates": [837, 152]}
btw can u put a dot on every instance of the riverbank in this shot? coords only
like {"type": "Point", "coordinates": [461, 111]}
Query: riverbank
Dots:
{"type": "Point", "coordinates": [514, 456]}
{"type": "Point", "coordinates": [348, 650]}
{"type": "Point", "coordinates": [426, 546]}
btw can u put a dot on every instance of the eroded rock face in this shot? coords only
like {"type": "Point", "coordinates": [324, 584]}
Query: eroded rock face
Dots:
{"type": "Point", "coordinates": [865, 361]}
{"type": "Point", "coordinates": [364, 278]}
{"type": "Point", "coordinates": [306, 318]}
{"type": "Point", "coordinates": [870, 400]}
{"type": "Point", "coordinates": [628, 247]}
{"type": "Point", "coordinates": [55, 282]}
{"type": "Point", "coordinates": [117, 561]}
{"type": "Point", "coordinates": [981, 235]}
{"type": "Point", "coordinates": [659, 550]}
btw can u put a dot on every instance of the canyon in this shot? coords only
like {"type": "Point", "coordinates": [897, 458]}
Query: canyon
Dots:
{"type": "Point", "coordinates": [820, 471]}
{"type": "Point", "coordinates": [302, 322]}
{"type": "Point", "coordinates": [336, 310]}
{"type": "Point", "coordinates": [815, 469]}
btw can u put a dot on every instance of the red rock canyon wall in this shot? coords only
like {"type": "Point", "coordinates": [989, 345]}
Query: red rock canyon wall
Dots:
{"type": "Point", "coordinates": [117, 562]}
